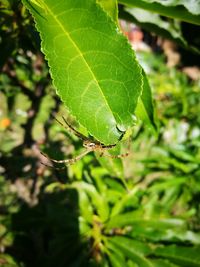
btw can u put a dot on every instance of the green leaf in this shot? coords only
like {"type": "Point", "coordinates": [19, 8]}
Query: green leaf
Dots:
{"type": "Point", "coordinates": [7, 261]}
{"type": "Point", "coordinates": [185, 256]}
{"type": "Point", "coordinates": [85, 202]}
{"type": "Point", "coordinates": [131, 218]}
{"type": "Point", "coordinates": [153, 22]}
{"type": "Point", "coordinates": [116, 257]}
{"type": "Point", "coordinates": [183, 155]}
{"type": "Point", "coordinates": [113, 165]}
{"type": "Point", "coordinates": [192, 6]}
{"type": "Point", "coordinates": [111, 7]}
{"type": "Point", "coordinates": [99, 202]}
{"type": "Point", "coordinates": [139, 247]}
{"type": "Point", "coordinates": [133, 250]}
{"type": "Point", "coordinates": [112, 249]}
{"type": "Point", "coordinates": [92, 65]}
{"type": "Point", "coordinates": [145, 109]}
{"type": "Point", "coordinates": [163, 263]}
{"type": "Point", "coordinates": [121, 205]}
{"type": "Point", "coordinates": [130, 263]}
{"type": "Point", "coordinates": [176, 12]}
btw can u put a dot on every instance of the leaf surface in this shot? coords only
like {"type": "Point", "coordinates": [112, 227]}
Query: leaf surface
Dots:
{"type": "Point", "coordinates": [111, 7]}
{"type": "Point", "coordinates": [171, 11]}
{"type": "Point", "coordinates": [193, 6]}
{"type": "Point", "coordinates": [185, 256]}
{"type": "Point", "coordinates": [145, 109]}
{"type": "Point", "coordinates": [153, 22]}
{"type": "Point", "coordinates": [130, 218]}
{"type": "Point", "coordinates": [92, 65]}
{"type": "Point", "coordinates": [133, 250]}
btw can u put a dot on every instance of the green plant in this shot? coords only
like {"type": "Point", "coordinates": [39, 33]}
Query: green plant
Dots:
{"type": "Point", "coordinates": [105, 96]}
{"type": "Point", "coordinates": [142, 211]}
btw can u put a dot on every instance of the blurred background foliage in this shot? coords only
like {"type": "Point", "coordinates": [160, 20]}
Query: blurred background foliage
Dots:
{"type": "Point", "coordinates": [144, 211]}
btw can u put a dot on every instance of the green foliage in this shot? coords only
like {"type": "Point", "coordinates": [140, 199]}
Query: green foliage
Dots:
{"type": "Point", "coordinates": [94, 81]}
{"type": "Point", "coordinates": [117, 236]}
{"type": "Point", "coordinates": [192, 6]}
{"type": "Point", "coordinates": [171, 10]}
{"type": "Point", "coordinates": [180, 255]}
{"type": "Point", "coordinates": [170, 29]}
{"type": "Point", "coordinates": [111, 7]}
{"type": "Point", "coordinates": [145, 108]}
{"type": "Point", "coordinates": [142, 211]}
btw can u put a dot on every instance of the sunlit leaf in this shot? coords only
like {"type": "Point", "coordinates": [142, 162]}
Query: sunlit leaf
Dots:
{"type": "Point", "coordinates": [132, 218]}
{"type": "Point", "coordinates": [175, 11]}
{"type": "Point", "coordinates": [99, 202]}
{"type": "Point", "coordinates": [110, 6]}
{"type": "Point", "coordinates": [92, 65]}
{"type": "Point", "coordinates": [193, 6]}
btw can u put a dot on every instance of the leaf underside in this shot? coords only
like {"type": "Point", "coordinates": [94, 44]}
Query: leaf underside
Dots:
{"type": "Point", "coordinates": [192, 6]}
{"type": "Point", "coordinates": [92, 65]}
{"type": "Point", "coordinates": [178, 9]}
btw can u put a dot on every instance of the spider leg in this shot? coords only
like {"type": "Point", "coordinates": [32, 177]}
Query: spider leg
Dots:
{"type": "Point", "coordinates": [59, 122]}
{"type": "Point", "coordinates": [53, 167]}
{"type": "Point", "coordinates": [117, 156]}
{"type": "Point", "coordinates": [80, 135]}
{"type": "Point", "coordinates": [68, 161]}
{"type": "Point", "coordinates": [69, 127]}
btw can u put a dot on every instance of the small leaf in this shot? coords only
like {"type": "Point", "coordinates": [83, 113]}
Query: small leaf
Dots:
{"type": "Point", "coordinates": [85, 202]}
{"type": "Point", "coordinates": [145, 109]}
{"type": "Point", "coordinates": [92, 65]}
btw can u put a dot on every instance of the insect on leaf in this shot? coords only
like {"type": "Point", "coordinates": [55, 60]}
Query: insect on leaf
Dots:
{"type": "Point", "coordinates": [93, 67]}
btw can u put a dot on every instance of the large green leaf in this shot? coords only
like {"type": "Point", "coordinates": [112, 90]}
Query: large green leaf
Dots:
{"type": "Point", "coordinates": [92, 65]}
{"type": "Point", "coordinates": [185, 256]}
{"type": "Point", "coordinates": [177, 12]}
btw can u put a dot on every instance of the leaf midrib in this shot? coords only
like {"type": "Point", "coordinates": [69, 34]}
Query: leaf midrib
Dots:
{"type": "Point", "coordinates": [79, 51]}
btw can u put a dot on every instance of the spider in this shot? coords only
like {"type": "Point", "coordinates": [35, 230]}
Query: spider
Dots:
{"type": "Point", "coordinates": [90, 146]}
